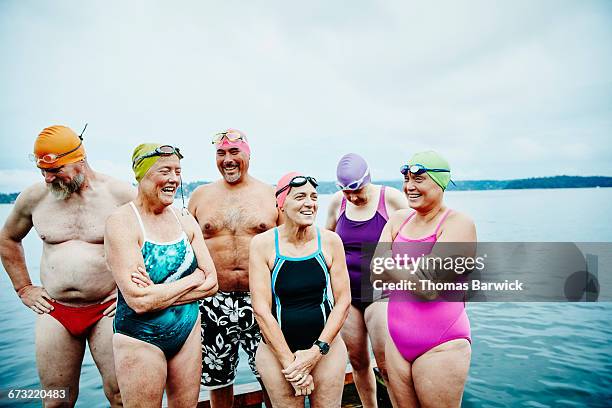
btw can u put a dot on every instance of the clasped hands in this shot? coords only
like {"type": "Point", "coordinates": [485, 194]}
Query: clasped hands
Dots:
{"type": "Point", "coordinates": [298, 372]}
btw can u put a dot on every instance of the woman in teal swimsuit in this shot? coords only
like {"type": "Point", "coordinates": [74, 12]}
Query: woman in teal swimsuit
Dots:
{"type": "Point", "coordinates": [162, 267]}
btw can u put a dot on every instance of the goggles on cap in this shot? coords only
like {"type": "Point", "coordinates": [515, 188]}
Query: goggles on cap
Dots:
{"type": "Point", "coordinates": [165, 150]}
{"type": "Point", "coordinates": [355, 184]}
{"type": "Point", "coordinates": [51, 158]}
{"type": "Point", "coordinates": [298, 181]}
{"type": "Point", "coordinates": [232, 136]}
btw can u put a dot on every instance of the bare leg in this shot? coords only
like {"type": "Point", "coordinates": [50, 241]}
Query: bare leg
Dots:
{"type": "Point", "coordinates": [355, 337]}
{"type": "Point", "coordinates": [328, 377]}
{"type": "Point", "coordinates": [141, 371]}
{"type": "Point", "coordinates": [222, 397]}
{"type": "Point", "coordinates": [184, 372]}
{"type": "Point", "coordinates": [266, 397]}
{"type": "Point", "coordinates": [101, 347]}
{"type": "Point", "coordinates": [376, 323]}
{"type": "Point", "coordinates": [401, 388]}
{"type": "Point", "coordinates": [58, 356]}
{"type": "Point", "coordinates": [281, 392]}
{"type": "Point", "coordinates": [446, 364]}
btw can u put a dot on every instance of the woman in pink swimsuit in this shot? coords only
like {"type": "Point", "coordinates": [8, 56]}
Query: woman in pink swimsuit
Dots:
{"type": "Point", "coordinates": [428, 356]}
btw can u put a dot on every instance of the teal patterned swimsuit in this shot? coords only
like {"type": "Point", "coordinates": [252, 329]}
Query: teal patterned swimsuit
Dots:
{"type": "Point", "coordinates": [167, 329]}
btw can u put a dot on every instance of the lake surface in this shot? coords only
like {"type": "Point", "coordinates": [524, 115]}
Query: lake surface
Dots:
{"type": "Point", "coordinates": [523, 354]}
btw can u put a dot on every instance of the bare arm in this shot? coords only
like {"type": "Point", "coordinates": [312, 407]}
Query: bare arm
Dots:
{"type": "Point", "coordinates": [197, 197]}
{"type": "Point", "coordinates": [16, 227]}
{"type": "Point", "coordinates": [332, 212]}
{"type": "Point", "coordinates": [209, 287]}
{"type": "Point", "coordinates": [261, 299]}
{"type": "Point", "coordinates": [395, 200]}
{"type": "Point", "coordinates": [340, 287]}
{"type": "Point", "coordinates": [124, 258]}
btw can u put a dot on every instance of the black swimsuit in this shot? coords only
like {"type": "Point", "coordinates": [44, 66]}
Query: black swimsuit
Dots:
{"type": "Point", "coordinates": [301, 296]}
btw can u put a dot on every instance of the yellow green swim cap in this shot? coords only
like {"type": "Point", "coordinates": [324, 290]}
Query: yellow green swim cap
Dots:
{"type": "Point", "coordinates": [142, 166]}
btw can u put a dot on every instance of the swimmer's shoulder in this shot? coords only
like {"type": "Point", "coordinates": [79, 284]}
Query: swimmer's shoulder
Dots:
{"type": "Point", "coordinates": [263, 241]}
{"type": "Point", "coordinates": [262, 186]}
{"type": "Point", "coordinates": [395, 199]}
{"type": "Point", "coordinates": [335, 202]}
{"type": "Point", "coordinates": [397, 217]}
{"type": "Point", "coordinates": [187, 220]}
{"type": "Point", "coordinates": [330, 238]}
{"type": "Point", "coordinates": [203, 190]}
{"type": "Point", "coordinates": [30, 198]}
{"type": "Point", "coordinates": [121, 190]}
{"type": "Point", "coordinates": [122, 221]}
{"type": "Point", "coordinates": [458, 220]}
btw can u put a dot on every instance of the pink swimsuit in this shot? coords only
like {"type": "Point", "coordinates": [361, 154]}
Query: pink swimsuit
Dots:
{"type": "Point", "coordinates": [417, 327]}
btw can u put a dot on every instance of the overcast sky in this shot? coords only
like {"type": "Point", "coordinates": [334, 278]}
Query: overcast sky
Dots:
{"type": "Point", "coordinates": [504, 89]}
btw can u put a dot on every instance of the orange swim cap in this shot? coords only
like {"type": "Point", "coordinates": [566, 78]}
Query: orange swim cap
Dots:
{"type": "Point", "coordinates": [56, 146]}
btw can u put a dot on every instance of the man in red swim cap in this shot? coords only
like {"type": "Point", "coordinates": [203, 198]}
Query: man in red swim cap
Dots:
{"type": "Point", "coordinates": [76, 299]}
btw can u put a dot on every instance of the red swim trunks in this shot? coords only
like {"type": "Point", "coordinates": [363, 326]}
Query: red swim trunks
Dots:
{"type": "Point", "coordinates": [78, 320]}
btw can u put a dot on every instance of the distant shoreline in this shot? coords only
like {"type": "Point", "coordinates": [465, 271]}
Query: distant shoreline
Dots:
{"type": "Point", "coordinates": [555, 182]}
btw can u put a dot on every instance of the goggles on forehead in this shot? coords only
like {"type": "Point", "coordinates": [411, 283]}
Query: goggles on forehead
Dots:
{"type": "Point", "coordinates": [232, 136]}
{"type": "Point", "coordinates": [417, 169]}
{"type": "Point", "coordinates": [165, 150]}
{"type": "Point", "coordinates": [298, 181]}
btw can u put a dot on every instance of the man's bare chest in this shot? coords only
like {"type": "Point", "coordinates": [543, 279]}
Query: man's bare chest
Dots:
{"type": "Point", "coordinates": [236, 219]}
{"type": "Point", "coordinates": [59, 221]}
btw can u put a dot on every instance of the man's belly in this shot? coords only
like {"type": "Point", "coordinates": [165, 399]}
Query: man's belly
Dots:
{"type": "Point", "coordinates": [230, 255]}
{"type": "Point", "coordinates": [75, 272]}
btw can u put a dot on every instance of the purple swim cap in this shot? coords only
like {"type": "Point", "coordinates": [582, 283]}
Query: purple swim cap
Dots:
{"type": "Point", "coordinates": [352, 172]}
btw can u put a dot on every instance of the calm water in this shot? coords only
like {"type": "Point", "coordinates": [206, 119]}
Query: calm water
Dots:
{"type": "Point", "coordinates": [532, 355]}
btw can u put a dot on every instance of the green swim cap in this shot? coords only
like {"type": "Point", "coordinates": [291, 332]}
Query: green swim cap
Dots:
{"type": "Point", "coordinates": [433, 160]}
{"type": "Point", "coordinates": [141, 168]}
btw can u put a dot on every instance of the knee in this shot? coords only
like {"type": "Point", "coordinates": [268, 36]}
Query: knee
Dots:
{"type": "Point", "coordinates": [114, 398]}
{"type": "Point", "coordinates": [383, 373]}
{"type": "Point", "coordinates": [59, 404]}
{"type": "Point", "coordinates": [360, 362]}
{"type": "Point", "coordinates": [111, 390]}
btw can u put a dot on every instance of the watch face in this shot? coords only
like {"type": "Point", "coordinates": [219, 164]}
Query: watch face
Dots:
{"type": "Point", "coordinates": [323, 347]}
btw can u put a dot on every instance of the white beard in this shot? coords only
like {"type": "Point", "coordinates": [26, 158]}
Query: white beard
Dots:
{"type": "Point", "coordinates": [63, 191]}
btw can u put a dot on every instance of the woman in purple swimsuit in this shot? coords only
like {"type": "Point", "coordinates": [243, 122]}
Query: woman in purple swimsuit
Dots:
{"type": "Point", "coordinates": [428, 354]}
{"type": "Point", "coordinates": [358, 215]}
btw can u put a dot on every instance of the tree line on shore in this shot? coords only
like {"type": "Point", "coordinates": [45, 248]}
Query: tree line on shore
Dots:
{"type": "Point", "coordinates": [329, 187]}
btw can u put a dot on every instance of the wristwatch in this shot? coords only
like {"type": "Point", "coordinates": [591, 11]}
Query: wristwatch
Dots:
{"type": "Point", "coordinates": [323, 346]}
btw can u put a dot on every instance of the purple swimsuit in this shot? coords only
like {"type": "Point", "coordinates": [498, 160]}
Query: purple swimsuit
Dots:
{"type": "Point", "coordinates": [354, 234]}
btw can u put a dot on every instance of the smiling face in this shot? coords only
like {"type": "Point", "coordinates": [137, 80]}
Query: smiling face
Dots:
{"type": "Point", "coordinates": [301, 205]}
{"type": "Point", "coordinates": [232, 163]}
{"type": "Point", "coordinates": [422, 191]}
{"type": "Point", "coordinates": [65, 180]}
{"type": "Point", "coordinates": [162, 180]}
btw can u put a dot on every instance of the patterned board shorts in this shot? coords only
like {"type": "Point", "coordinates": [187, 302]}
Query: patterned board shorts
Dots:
{"type": "Point", "coordinates": [227, 323]}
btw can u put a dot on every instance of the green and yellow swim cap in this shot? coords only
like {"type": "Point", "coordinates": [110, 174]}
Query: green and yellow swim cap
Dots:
{"type": "Point", "coordinates": [142, 166]}
{"type": "Point", "coordinates": [433, 160]}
